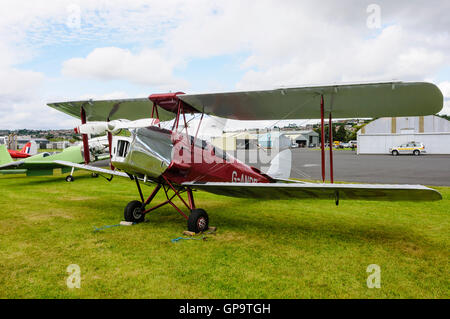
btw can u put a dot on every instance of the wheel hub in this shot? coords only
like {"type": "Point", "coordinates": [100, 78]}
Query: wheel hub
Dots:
{"type": "Point", "coordinates": [201, 223]}
{"type": "Point", "coordinates": [137, 213]}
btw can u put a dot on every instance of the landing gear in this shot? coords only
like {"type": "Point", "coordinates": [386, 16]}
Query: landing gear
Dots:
{"type": "Point", "coordinates": [133, 212]}
{"type": "Point", "coordinates": [70, 178]}
{"type": "Point", "coordinates": [94, 175]}
{"type": "Point", "coordinates": [198, 221]}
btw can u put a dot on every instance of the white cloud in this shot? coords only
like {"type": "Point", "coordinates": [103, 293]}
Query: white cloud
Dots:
{"type": "Point", "coordinates": [18, 85]}
{"type": "Point", "coordinates": [148, 67]}
{"type": "Point", "coordinates": [149, 44]}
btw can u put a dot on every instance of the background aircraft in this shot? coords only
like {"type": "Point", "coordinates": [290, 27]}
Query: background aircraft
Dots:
{"type": "Point", "coordinates": [178, 162]}
{"type": "Point", "coordinates": [26, 151]}
{"type": "Point", "coordinates": [44, 163]}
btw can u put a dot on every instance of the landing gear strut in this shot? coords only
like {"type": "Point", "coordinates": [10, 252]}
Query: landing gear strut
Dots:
{"type": "Point", "coordinates": [197, 221]}
{"type": "Point", "coordinates": [69, 178]}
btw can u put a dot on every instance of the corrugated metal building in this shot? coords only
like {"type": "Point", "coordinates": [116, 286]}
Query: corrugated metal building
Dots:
{"type": "Point", "coordinates": [274, 140]}
{"type": "Point", "coordinates": [378, 136]}
{"type": "Point", "coordinates": [303, 138]}
{"type": "Point", "coordinates": [232, 141]}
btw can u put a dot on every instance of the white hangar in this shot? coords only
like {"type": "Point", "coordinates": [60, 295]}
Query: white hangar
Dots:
{"type": "Point", "coordinates": [379, 135]}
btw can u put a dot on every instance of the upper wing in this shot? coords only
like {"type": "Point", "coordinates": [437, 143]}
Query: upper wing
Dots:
{"type": "Point", "coordinates": [357, 100]}
{"type": "Point", "coordinates": [326, 191]}
{"type": "Point", "coordinates": [104, 110]}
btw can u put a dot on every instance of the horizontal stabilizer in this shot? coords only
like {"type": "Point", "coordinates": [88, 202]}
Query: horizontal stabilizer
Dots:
{"type": "Point", "coordinates": [320, 191]}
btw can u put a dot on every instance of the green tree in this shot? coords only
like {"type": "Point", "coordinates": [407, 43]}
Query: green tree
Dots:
{"type": "Point", "coordinates": [341, 134]}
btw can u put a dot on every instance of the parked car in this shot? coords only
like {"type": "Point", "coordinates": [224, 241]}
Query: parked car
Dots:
{"type": "Point", "coordinates": [415, 148]}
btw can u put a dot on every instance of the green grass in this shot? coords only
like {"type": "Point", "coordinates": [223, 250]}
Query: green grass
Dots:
{"type": "Point", "coordinates": [277, 249]}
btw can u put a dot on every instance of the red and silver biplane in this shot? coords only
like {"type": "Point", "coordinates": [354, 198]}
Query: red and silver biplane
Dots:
{"type": "Point", "coordinates": [180, 162]}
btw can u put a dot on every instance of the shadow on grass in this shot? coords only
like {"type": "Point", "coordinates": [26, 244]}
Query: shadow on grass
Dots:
{"type": "Point", "coordinates": [289, 232]}
{"type": "Point", "coordinates": [284, 230]}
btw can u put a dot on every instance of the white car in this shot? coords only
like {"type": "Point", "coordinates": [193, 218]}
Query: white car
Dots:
{"type": "Point", "coordinates": [415, 148]}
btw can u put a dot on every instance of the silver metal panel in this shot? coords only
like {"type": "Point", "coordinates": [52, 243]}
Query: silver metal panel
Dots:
{"type": "Point", "coordinates": [150, 153]}
{"type": "Point", "coordinates": [275, 191]}
{"type": "Point", "coordinates": [357, 100]}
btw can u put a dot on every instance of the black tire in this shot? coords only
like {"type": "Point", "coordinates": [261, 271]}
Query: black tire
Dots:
{"type": "Point", "coordinates": [133, 212]}
{"type": "Point", "coordinates": [198, 221]}
{"type": "Point", "coordinates": [416, 152]}
{"type": "Point", "coordinates": [94, 175]}
{"type": "Point", "coordinates": [394, 153]}
{"type": "Point", "coordinates": [69, 178]}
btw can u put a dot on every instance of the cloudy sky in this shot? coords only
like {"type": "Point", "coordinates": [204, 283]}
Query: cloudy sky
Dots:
{"type": "Point", "coordinates": [70, 50]}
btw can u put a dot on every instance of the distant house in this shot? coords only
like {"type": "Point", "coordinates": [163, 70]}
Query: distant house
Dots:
{"type": "Point", "coordinates": [304, 138]}
{"type": "Point", "coordinates": [274, 139]}
{"type": "Point", "coordinates": [232, 141]}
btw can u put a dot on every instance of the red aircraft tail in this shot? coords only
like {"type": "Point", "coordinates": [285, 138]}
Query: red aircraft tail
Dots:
{"type": "Point", "coordinates": [27, 148]}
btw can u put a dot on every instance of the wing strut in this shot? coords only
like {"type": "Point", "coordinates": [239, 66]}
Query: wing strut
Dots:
{"type": "Point", "coordinates": [85, 138]}
{"type": "Point", "coordinates": [110, 150]}
{"type": "Point", "coordinates": [330, 138]}
{"type": "Point", "coordinates": [322, 138]}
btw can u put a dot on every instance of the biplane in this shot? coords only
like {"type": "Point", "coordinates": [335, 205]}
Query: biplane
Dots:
{"type": "Point", "coordinates": [177, 161]}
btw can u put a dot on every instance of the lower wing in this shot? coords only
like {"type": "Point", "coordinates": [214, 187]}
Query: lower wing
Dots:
{"type": "Point", "coordinates": [300, 190]}
{"type": "Point", "coordinates": [92, 168]}
{"type": "Point", "coordinates": [321, 191]}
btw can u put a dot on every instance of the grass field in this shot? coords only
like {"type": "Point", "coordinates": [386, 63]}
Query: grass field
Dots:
{"type": "Point", "coordinates": [277, 249]}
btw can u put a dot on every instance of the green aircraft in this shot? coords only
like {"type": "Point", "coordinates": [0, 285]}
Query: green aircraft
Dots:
{"type": "Point", "coordinates": [43, 163]}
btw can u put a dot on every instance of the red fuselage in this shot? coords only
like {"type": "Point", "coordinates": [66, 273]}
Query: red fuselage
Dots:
{"type": "Point", "coordinates": [18, 154]}
{"type": "Point", "coordinates": [202, 162]}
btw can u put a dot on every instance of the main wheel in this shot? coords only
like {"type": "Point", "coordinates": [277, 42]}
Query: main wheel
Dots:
{"type": "Point", "coordinates": [94, 175]}
{"type": "Point", "coordinates": [416, 152]}
{"type": "Point", "coordinates": [69, 178]}
{"type": "Point", "coordinates": [133, 212]}
{"type": "Point", "coordinates": [198, 221]}
{"type": "Point", "coordinates": [394, 152]}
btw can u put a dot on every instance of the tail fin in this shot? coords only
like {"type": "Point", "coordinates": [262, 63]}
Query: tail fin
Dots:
{"type": "Point", "coordinates": [26, 148]}
{"type": "Point", "coordinates": [5, 158]}
{"type": "Point", "coordinates": [280, 166]}
{"type": "Point", "coordinates": [33, 148]}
